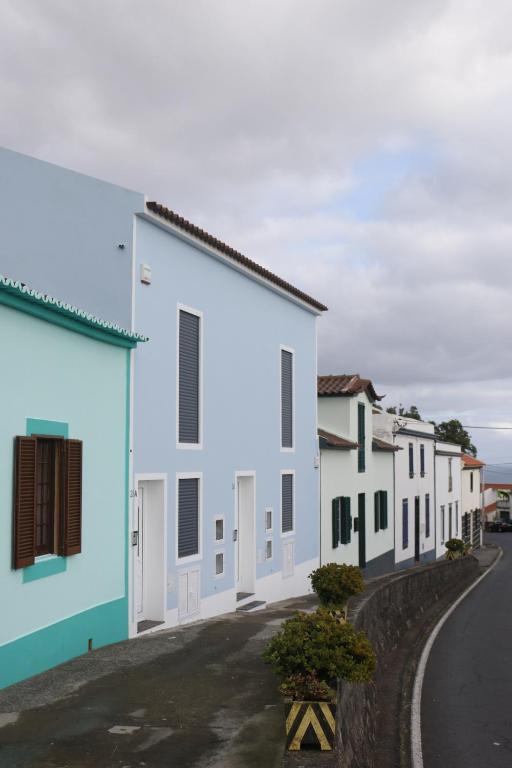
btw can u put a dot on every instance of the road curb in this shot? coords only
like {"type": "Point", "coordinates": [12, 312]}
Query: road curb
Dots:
{"type": "Point", "coordinates": [416, 745]}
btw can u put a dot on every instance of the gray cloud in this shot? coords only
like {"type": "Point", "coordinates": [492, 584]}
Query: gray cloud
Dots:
{"type": "Point", "coordinates": [268, 122]}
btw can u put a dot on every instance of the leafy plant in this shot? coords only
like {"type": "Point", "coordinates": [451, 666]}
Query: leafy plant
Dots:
{"type": "Point", "coordinates": [334, 584]}
{"type": "Point", "coordinates": [454, 549]}
{"type": "Point", "coordinates": [313, 649]}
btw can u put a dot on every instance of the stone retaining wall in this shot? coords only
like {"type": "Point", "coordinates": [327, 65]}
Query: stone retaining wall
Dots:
{"type": "Point", "coordinates": [386, 610]}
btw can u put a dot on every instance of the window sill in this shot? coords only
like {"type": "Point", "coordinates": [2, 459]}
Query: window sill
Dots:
{"type": "Point", "coordinates": [46, 565]}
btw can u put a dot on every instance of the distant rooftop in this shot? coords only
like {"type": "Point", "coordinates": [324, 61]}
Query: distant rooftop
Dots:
{"type": "Point", "coordinates": [346, 385]}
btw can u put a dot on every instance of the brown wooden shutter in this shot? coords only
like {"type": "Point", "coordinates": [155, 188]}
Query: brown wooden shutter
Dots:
{"type": "Point", "coordinates": [72, 514]}
{"type": "Point", "coordinates": [24, 524]}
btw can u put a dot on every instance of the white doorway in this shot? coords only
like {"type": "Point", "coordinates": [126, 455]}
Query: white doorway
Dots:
{"type": "Point", "coordinates": [245, 540]}
{"type": "Point", "coordinates": [150, 554]}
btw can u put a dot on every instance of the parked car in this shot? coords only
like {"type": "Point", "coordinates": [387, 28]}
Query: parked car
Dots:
{"type": "Point", "coordinates": [499, 526]}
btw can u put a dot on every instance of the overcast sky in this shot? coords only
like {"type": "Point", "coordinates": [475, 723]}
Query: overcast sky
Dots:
{"type": "Point", "coordinates": [360, 149]}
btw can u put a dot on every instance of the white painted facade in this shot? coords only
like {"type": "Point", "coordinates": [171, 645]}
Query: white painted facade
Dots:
{"type": "Point", "coordinates": [339, 477]}
{"type": "Point", "coordinates": [448, 495]}
{"type": "Point", "coordinates": [414, 486]}
{"type": "Point", "coordinates": [471, 498]}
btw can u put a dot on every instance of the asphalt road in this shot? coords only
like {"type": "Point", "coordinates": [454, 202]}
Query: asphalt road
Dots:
{"type": "Point", "coordinates": [467, 691]}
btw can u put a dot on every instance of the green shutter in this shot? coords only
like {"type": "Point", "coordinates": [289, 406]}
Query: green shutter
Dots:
{"type": "Point", "coordinates": [383, 509]}
{"type": "Point", "coordinates": [346, 520]}
{"type": "Point", "coordinates": [336, 520]}
{"type": "Point", "coordinates": [376, 509]}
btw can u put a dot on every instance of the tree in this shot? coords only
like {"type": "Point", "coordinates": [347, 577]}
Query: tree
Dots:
{"type": "Point", "coordinates": [412, 413]}
{"type": "Point", "coordinates": [453, 432]}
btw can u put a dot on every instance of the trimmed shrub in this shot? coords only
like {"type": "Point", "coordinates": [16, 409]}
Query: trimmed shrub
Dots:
{"type": "Point", "coordinates": [313, 649]}
{"type": "Point", "coordinates": [334, 584]}
{"type": "Point", "coordinates": [454, 548]}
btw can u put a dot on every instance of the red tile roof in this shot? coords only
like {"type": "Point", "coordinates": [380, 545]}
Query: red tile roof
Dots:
{"type": "Point", "coordinates": [213, 242]}
{"type": "Point", "coordinates": [382, 445]}
{"type": "Point", "coordinates": [335, 441]}
{"type": "Point", "coordinates": [499, 486]}
{"type": "Point", "coordinates": [470, 461]}
{"type": "Point", "coordinates": [346, 384]}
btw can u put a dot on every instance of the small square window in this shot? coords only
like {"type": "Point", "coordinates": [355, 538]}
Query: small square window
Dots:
{"type": "Point", "coordinates": [268, 518]}
{"type": "Point", "coordinates": [219, 529]}
{"type": "Point", "coordinates": [219, 563]}
{"type": "Point", "coordinates": [268, 549]}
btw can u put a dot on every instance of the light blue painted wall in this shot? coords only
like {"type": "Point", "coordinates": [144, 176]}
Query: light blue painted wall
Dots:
{"type": "Point", "coordinates": [244, 325]}
{"type": "Point", "coordinates": [60, 235]}
{"type": "Point", "coordinates": [54, 374]}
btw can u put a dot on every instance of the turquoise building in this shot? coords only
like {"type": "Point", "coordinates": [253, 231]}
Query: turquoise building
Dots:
{"type": "Point", "coordinates": [64, 454]}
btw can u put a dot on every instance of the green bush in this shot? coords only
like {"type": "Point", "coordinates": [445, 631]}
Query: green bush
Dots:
{"type": "Point", "coordinates": [334, 584]}
{"type": "Point", "coordinates": [313, 649]}
{"type": "Point", "coordinates": [455, 545]}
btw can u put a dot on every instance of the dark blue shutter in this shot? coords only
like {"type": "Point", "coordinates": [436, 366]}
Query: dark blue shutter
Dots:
{"type": "Point", "coordinates": [188, 406]}
{"type": "Point", "coordinates": [422, 460]}
{"type": "Point", "coordinates": [286, 399]}
{"type": "Point", "coordinates": [286, 503]}
{"type": "Point", "coordinates": [411, 460]}
{"type": "Point", "coordinates": [336, 520]}
{"type": "Point", "coordinates": [383, 509]}
{"type": "Point", "coordinates": [346, 520]}
{"type": "Point", "coordinates": [427, 515]}
{"type": "Point", "coordinates": [376, 510]}
{"type": "Point", "coordinates": [405, 523]}
{"type": "Point", "coordinates": [361, 437]}
{"type": "Point", "coordinates": [188, 516]}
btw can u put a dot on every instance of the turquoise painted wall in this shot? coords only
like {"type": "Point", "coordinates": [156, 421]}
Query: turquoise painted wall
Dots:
{"type": "Point", "coordinates": [54, 374]}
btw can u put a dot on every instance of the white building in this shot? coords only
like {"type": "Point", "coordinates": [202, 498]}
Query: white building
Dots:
{"type": "Point", "coordinates": [448, 494]}
{"type": "Point", "coordinates": [471, 470]}
{"type": "Point", "coordinates": [414, 486]}
{"type": "Point", "coordinates": [357, 502]}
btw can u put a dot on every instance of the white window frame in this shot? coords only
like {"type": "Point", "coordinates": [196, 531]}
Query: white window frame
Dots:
{"type": "Point", "coordinates": [286, 534]}
{"type": "Point", "coordinates": [189, 446]}
{"type": "Point", "coordinates": [282, 348]}
{"type": "Point", "coordinates": [267, 540]}
{"type": "Point", "coordinates": [215, 521]}
{"type": "Point", "coordinates": [215, 574]}
{"type": "Point", "coordinates": [199, 556]}
{"type": "Point", "coordinates": [271, 510]}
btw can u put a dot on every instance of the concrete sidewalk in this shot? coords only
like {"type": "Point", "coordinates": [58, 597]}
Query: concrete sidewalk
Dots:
{"type": "Point", "coordinates": [193, 696]}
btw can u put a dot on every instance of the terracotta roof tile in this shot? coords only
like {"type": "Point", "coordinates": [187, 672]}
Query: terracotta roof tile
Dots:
{"type": "Point", "coordinates": [382, 445]}
{"type": "Point", "coordinates": [346, 384]}
{"type": "Point", "coordinates": [213, 242]}
{"type": "Point", "coordinates": [470, 461]}
{"type": "Point", "coordinates": [331, 440]}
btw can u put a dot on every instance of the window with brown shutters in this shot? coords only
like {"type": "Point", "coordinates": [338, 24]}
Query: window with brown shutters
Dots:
{"type": "Point", "coordinates": [47, 498]}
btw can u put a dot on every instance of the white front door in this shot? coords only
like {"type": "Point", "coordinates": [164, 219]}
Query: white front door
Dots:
{"type": "Point", "coordinates": [139, 556]}
{"type": "Point", "coordinates": [245, 553]}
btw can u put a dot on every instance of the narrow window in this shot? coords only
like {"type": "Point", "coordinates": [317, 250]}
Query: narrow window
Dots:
{"type": "Point", "coordinates": [450, 476]}
{"type": "Point", "coordinates": [188, 516]}
{"type": "Point", "coordinates": [427, 515]}
{"type": "Point", "coordinates": [450, 522]}
{"type": "Point", "coordinates": [286, 503]}
{"type": "Point", "coordinates": [286, 399]}
{"type": "Point", "coordinates": [219, 529]}
{"type": "Point", "coordinates": [345, 520]}
{"type": "Point", "coordinates": [443, 524]}
{"type": "Point", "coordinates": [471, 481]}
{"type": "Point", "coordinates": [268, 518]}
{"type": "Point", "coordinates": [456, 518]}
{"type": "Point", "coordinates": [188, 378]}
{"type": "Point", "coordinates": [361, 438]}
{"type": "Point", "coordinates": [405, 523]}
{"type": "Point", "coordinates": [383, 508]}
{"type": "Point", "coordinates": [45, 496]}
{"type": "Point", "coordinates": [268, 549]}
{"type": "Point", "coordinates": [219, 563]}
{"type": "Point", "coordinates": [422, 460]}
{"type": "Point", "coordinates": [411, 460]}
{"type": "Point", "coordinates": [376, 510]}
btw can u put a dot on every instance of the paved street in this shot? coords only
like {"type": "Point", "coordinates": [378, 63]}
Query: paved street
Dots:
{"type": "Point", "coordinates": [467, 693]}
{"type": "Point", "coordinates": [193, 696]}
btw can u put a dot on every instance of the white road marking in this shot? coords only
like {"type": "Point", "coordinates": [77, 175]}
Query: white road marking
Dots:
{"type": "Point", "coordinates": [416, 746]}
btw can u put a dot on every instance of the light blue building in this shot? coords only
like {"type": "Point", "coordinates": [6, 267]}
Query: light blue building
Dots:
{"type": "Point", "coordinates": [224, 488]}
{"type": "Point", "coordinates": [64, 453]}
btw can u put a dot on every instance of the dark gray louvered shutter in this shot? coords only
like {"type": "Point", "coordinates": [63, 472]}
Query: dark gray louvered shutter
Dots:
{"type": "Point", "coordinates": [188, 516]}
{"type": "Point", "coordinates": [336, 520]}
{"type": "Point", "coordinates": [286, 503]}
{"type": "Point", "coordinates": [346, 521]}
{"type": "Point", "coordinates": [188, 406]}
{"type": "Point", "coordinates": [24, 502]}
{"type": "Point", "coordinates": [383, 509]}
{"type": "Point", "coordinates": [286, 399]}
{"type": "Point", "coordinates": [376, 502]}
{"type": "Point", "coordinates": [361, 438]}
